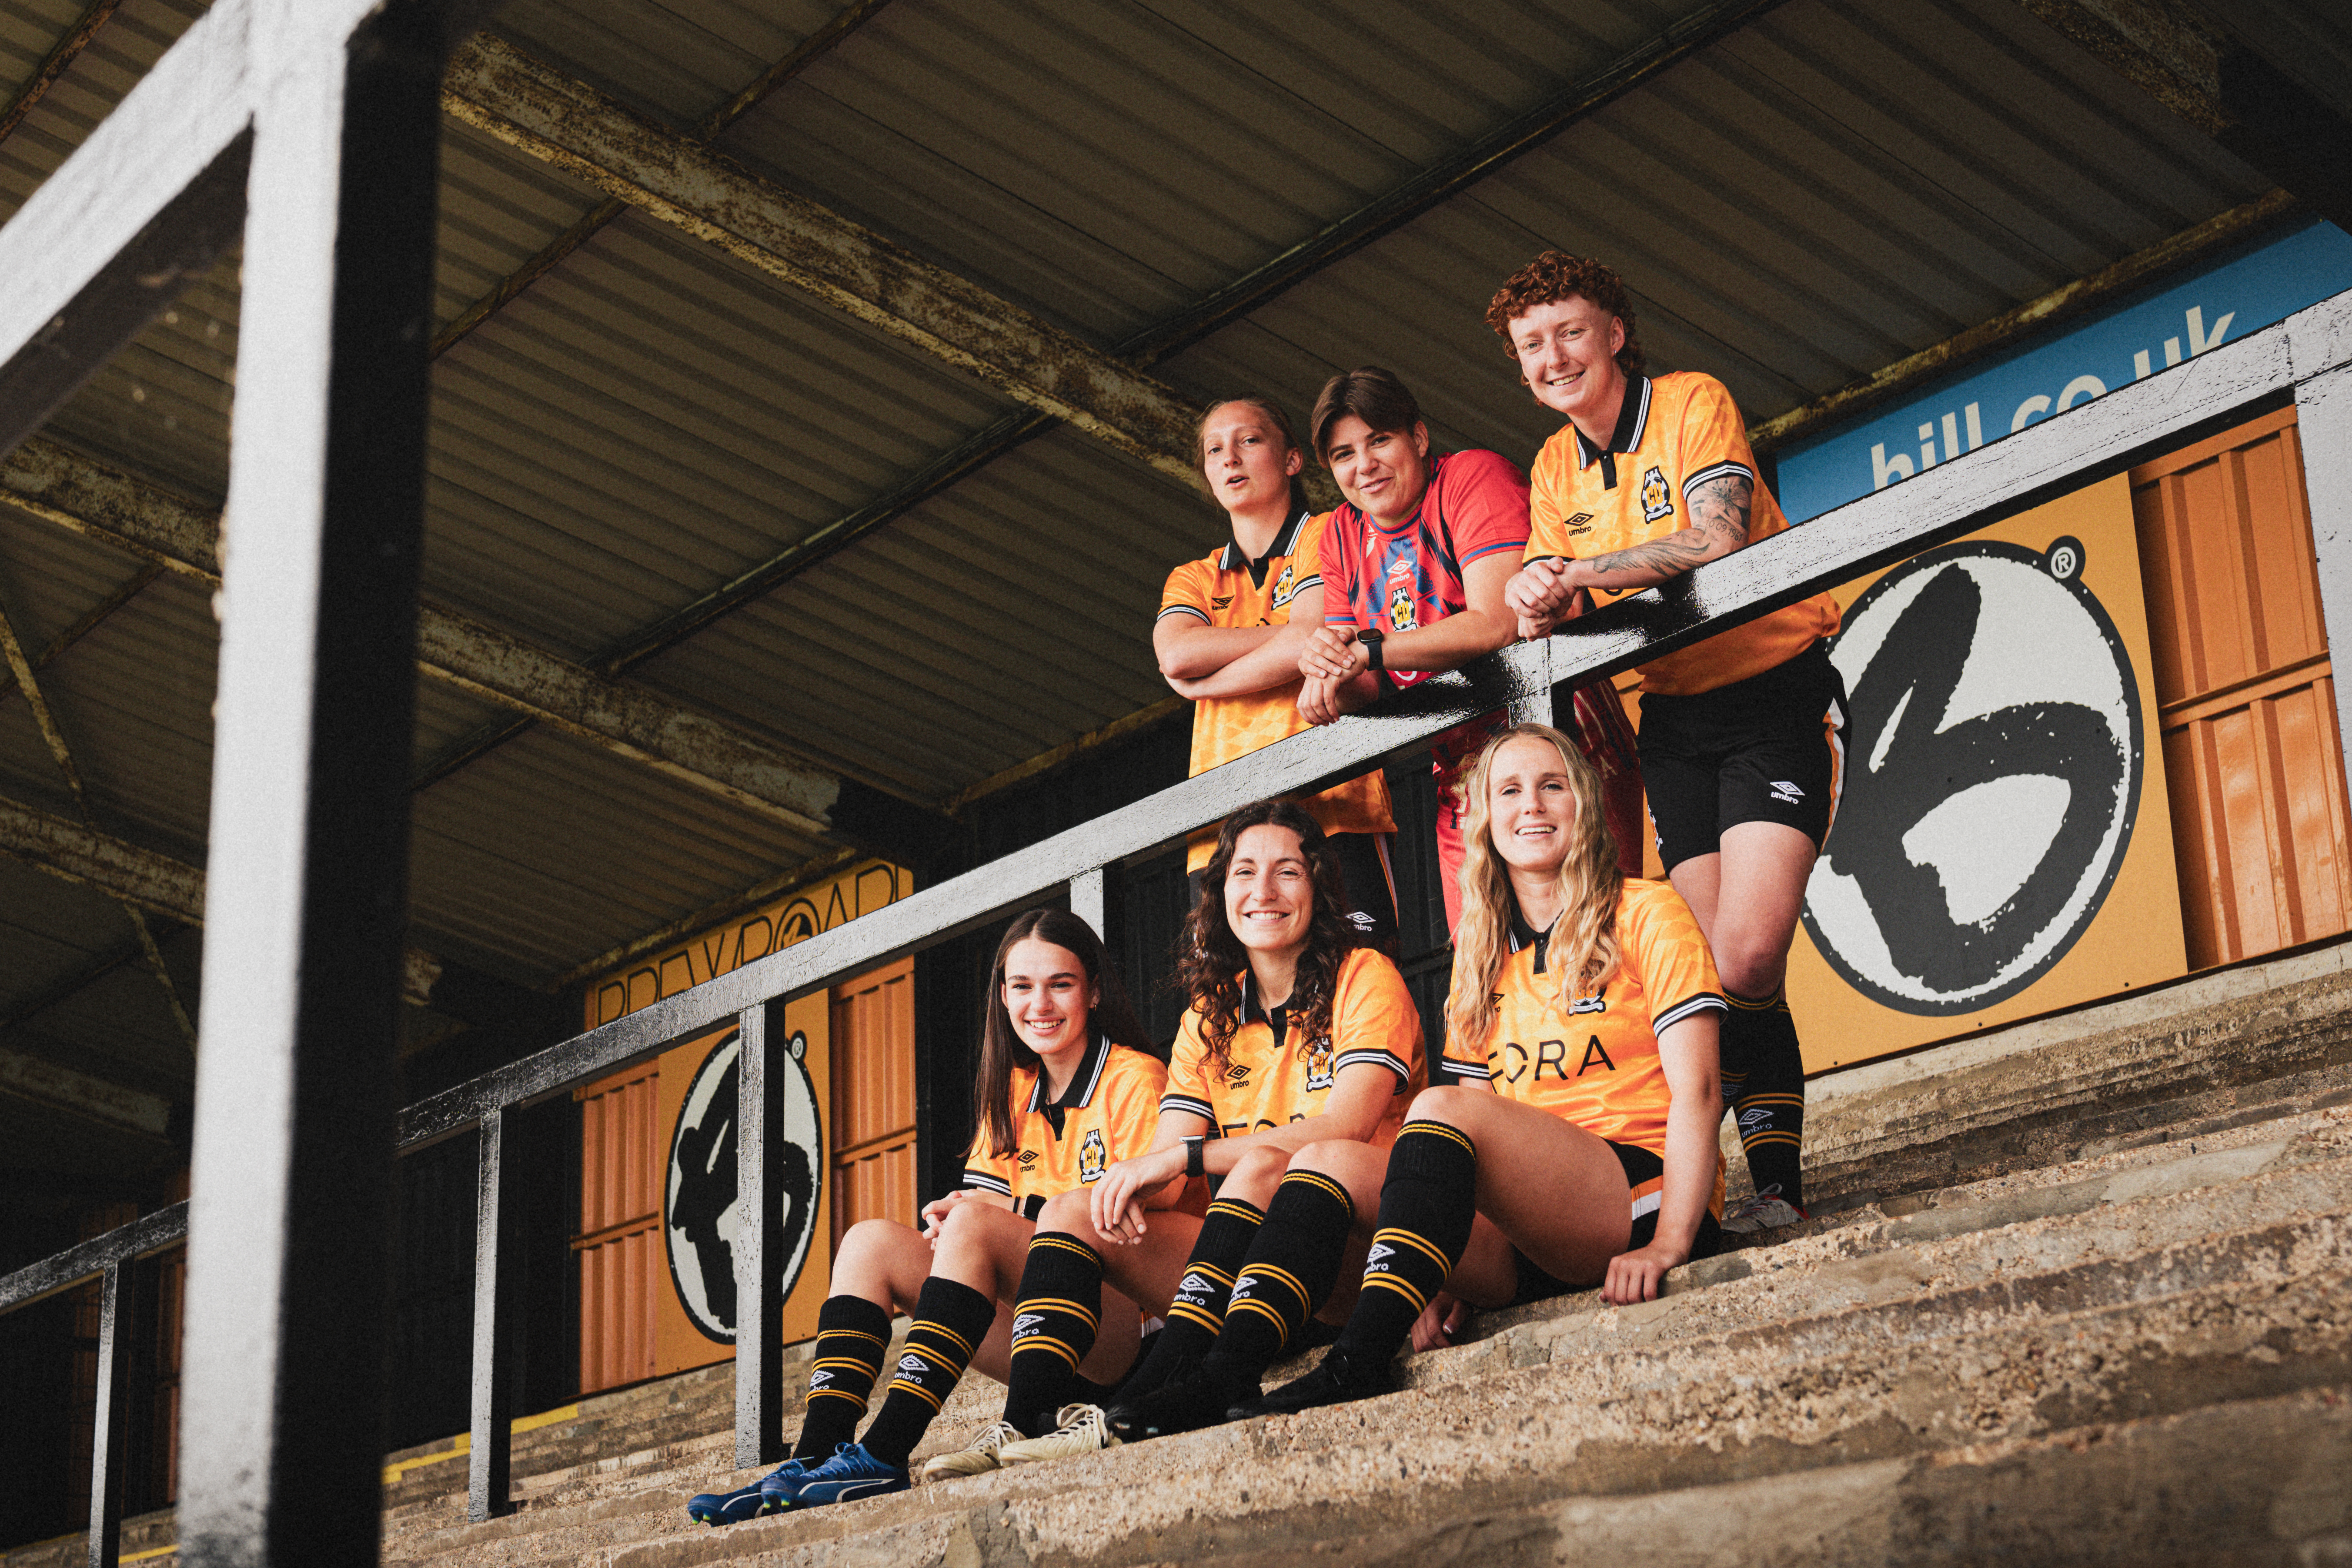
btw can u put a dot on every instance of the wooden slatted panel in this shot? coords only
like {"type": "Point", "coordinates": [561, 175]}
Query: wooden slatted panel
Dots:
{"type": "Point", "coordinates": [873, 1035]}
{"type": "Point", "coordinates": [2244, 692]}
{"type": "Point", "coordinates": [619, 1240]}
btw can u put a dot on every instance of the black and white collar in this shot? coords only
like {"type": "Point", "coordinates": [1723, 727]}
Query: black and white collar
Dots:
{"type": "Point", "coordinates": [1080, 1091]}
{"type": "Point", "coordinates": [1276, 1018]}
{"type": "Point", "coordinates": [1286, 543]}
{"type": "Point", "coordinates": [1524, 935]}
{"type": "Point", "coordinates": [1633, 421]}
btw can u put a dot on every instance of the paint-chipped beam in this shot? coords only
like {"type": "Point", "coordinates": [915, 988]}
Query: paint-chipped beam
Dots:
{"type": "Point", "coordinates": [115, 867]}
{"type": "Point", "coordinates": [807, 52]}
{"type": "Point", "coordinates": [2195, 58]}
{"type": "Point", "coordinates": [45, 76]}
{"type": "Point", "coordinates": [62, 487]}
{"type": "Point", "coordinates": [58, 1088]}
{"type": "Point", "coordinates": [506, 94]}
{"type": "Point", "coordinates": [2020, 321]}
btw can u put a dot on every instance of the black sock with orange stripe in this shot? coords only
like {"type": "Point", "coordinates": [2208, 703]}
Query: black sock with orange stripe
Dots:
{"type": "Point", "coordinates": [852, 1335]}
{"type": "Point", "coordinates": [1198, 1311]}
{"type": "Point", "coordinates": [1427, 1204]}
{"type": "Point", "coordinates": [1053, 1322]}
{"type": "Point", "coordinates": [1291, 1267]}
{"type": "Point", "coordinates": [950, 1320]}
{"type": "Point", "coordinates": [1764, 1083]}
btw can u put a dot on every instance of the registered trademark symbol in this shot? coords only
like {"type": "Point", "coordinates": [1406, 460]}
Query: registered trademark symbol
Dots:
{"type": "Point", "coordinates": [2063, 560]}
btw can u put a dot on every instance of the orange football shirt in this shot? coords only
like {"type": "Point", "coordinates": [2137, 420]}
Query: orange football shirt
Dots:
{"type": "Point", "coordinates": [1263, 1084]}
{"type": "Point", "coordinates": [1674, 432]}
{"type": "Point", "coordinates": [1108, 1112]}
{"type": "Point", "coordinates": [1597, 1065]}
{"type": "Point", "coordinates": [1228, 589]}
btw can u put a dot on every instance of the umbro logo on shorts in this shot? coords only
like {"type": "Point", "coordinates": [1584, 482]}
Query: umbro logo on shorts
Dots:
{"type": "Point", "coordinates": [1361, 920]}
{"type": "Point", "coordinates": [1379, 1249]}
{"type": "Point", "coordinates": [912, 1363]}
{"type": "Point", "coordinates": [1785, 792]}
{"type": "Point", "coordinates": [1194, 1286]}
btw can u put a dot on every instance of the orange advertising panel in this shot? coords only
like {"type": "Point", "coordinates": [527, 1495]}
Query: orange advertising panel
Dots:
{"type": "Point", "coordinates": [658, 1207]}
{"type": "Point", "coordinates": [2003, 840]}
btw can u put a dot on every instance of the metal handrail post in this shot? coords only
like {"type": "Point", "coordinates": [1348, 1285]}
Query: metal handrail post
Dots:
{"type": "Point", "coordinates": [497, 1267]}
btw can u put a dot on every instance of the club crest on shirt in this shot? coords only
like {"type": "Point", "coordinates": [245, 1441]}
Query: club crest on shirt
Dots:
{"type": "Point", "coordinates": [1403, 617]}
{"type": "Point", "coordinates": [1092, 1156]}
{"type": "Point", "coordinates": [1319, 1064]}
{"type": "Point", "coordinates": [1285, 586]}
{"type": "Point", "coordinates": [1657, 500]}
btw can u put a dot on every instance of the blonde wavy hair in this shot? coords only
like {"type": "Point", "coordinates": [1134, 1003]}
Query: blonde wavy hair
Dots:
{"type": "Point", "coordinates": [1583, 951]}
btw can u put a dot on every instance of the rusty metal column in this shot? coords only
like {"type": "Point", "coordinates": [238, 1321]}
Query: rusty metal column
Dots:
{"type": "Point", "coordinates": [497, 1272]}
{"type": "Point", "coordinates": [110, 1441]}
{"type": "Point", "coordinates": [2324, 428]}
{"type": "Point", "coordinates": [281, 1442]}
{"type": "Point", "coordinates": [759, 1237]}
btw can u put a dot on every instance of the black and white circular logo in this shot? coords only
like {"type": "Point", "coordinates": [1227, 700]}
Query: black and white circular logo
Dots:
{"type": "Point", "coordinates": [1992, 776]}
{"type": "Point", "coordinates": [699, 1213]}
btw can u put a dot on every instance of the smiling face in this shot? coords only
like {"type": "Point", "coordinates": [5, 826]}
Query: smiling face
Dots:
{"type": "Point", "coordinates": [1530, 806]}
{"type": "Point", "coordinates": [1048, 996]}
{"type": "Point", "coordinates": [1382, 471]}
{"type": "Point", "coordinates": [1245, 460]}
{"type": "Point", "coordinates": [1269, 891]}
{"type": "Point", "coordinates": [1567, 350]}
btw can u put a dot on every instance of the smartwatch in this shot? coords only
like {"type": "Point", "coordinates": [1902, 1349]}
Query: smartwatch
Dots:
{"type": "Point", "coordinates": [1372, 637]}
{"type": "Point", "coordinates": [1194, 1165]}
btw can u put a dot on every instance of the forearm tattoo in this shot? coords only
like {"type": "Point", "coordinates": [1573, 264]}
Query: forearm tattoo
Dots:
{"type": "Point", "coordinates": [1720, 511]}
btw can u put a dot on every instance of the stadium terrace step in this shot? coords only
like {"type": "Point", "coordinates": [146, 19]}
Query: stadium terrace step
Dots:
{"type": "Point", "coordinates": [2072, 1292]}
{"type": "Point", "coordinates": [2207, 1280]}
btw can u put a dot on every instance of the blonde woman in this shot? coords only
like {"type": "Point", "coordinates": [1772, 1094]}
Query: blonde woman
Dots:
{"type": "Point", "coordinates": [1576, 1143]}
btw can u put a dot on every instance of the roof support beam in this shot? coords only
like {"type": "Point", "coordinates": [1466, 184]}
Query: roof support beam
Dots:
{"type": "Point", "coordinates": [2188, 57]}
{"type": "Point", "coordinates": [74, 492]}
{"type": "Point", "coordinates": [115, 867]}
{"type": "Point", "coordinates": [817, 45]}
{"type": "Point", "coordinates": [59, 59]}
{"type": "Point", "coordinates": [21, 666]}
{"type": "Point", "coordinates": [501, 91]}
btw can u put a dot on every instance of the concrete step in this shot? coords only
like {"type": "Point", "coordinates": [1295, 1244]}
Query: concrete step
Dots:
{"type": "Point", "coordinates": [2206, 1230]}
{"type": "Point", "coordinates": [1603, 1427]}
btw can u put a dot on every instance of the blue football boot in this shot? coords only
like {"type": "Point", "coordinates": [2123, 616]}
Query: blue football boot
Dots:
{"type": "Point", "coordinates": [743, 1502]}
{"type": "Point", "coordinates": [852, 1473]}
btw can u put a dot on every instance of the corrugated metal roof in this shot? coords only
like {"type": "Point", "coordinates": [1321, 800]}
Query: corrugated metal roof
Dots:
{"type": "Point", "coordinates": [1835, 186]}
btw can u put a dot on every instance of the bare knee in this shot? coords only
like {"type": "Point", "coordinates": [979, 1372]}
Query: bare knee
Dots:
{"type": "Point", "coordinates": [873, 1241]}
{"type": "Point", "coordinates": [1327, 1158]}
{"type": "Point", "coordinates": [1450, 1105]}
{"type": "Point", "coordinates": [1071, 1213]}
{"type": "Point", "coordinates": [1751, 968]}
{"type": "Point", "coordinates": [1255, 1175]}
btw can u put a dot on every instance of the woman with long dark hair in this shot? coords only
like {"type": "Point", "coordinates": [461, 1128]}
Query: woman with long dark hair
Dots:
{"type": "Point", "coordinates": [1296, 1035]}
{"type": "Point", "coordinates": [1576, 1143]}
{"type": "Point", "coordinates": [1066, 1087]}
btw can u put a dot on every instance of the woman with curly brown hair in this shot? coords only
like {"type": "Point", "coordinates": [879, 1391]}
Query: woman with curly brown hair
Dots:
{"type": "Point", "coordinates": [1575, 1142]}
{"type": "Point", "coordinates": [1298, 1033]}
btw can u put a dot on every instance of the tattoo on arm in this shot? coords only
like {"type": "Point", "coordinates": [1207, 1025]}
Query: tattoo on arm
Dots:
{"type": "Point", "coordinates": [1720, 511]}
{"type": "Point", "coordinates": [1720, 507]}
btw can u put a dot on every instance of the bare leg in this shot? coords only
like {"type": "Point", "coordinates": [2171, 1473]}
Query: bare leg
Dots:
{"type": "Point", "coordinates": [885, 1263]}
{"type": "Point", "coordinates": [1547, 1184]}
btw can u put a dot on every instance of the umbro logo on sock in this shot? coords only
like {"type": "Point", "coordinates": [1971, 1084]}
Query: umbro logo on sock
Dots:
{"type": "Point", "coordinates": [1026, 1321]}
{"type": "Point", "coordinates": [1194, 1286]}
{"type": "Point", "coordinates": [911, 1362]}
{"type": "Point", "coordinates": [1379, 1249]}
{"type": "Point", "coordinates": [817, 1378]}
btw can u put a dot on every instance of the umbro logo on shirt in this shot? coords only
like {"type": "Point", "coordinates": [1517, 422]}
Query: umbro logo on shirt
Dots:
{"type": "Point", "coordinates": [1581, 523]}
{"type": "Point", "coordinates": [1028, 1157]}
{"type": "Point", "coordinates": [1221, 601]}
{"type": "Point", "coordinates": [1237, 1073]}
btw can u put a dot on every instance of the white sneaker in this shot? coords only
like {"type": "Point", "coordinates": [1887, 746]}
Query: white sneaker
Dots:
{"type": "Point", "coordinates": [1081, 1432]}
{"type": "Point", "coordinates": [976, 1460]}
{"type": "Point", "coordinates": [1762, 1213]}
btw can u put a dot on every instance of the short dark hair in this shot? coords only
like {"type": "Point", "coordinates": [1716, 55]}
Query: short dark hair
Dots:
{"type": "Point", "coordinates": [1372, 395]}
{"type": "Point", "coordinates": [1556, 275]}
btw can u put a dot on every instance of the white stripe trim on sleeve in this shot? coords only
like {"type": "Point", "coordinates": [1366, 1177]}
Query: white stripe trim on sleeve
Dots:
{"type": "Point", "coordinates": [987, 1183]}
{"type": "Point", "coordinates": [1706, 1000]}
{"type": "Point", "coordinates": [1192, 610]}
{"type": "Point", "coordinates": [1717, 472]}
{"type": "Point", "coordinates": [1452, 1069]}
